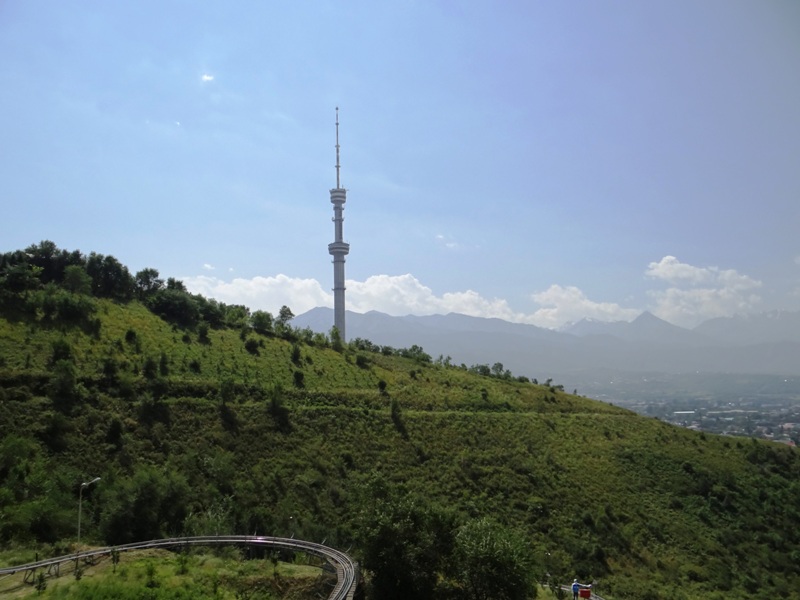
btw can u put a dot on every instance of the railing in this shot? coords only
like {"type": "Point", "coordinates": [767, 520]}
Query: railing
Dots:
{"type": "Point", "coordinates": [346, 568]}
{"type": "Point", "coordinates": [593, 596]}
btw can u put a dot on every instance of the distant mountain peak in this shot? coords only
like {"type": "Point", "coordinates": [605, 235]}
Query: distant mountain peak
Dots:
{"type": "Point", "coordinates": [647, 344]}
{"type": "Point", "coordinates": [647, 316]}
{"type": "Point", "coordinates": [755, 328]}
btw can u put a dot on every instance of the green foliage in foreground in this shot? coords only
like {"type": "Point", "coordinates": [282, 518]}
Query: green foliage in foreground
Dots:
{"type": "Point", "coordinates": [238, 429]}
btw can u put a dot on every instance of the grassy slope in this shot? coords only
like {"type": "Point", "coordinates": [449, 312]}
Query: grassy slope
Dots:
{"type": "Point", "coordinates": [640, 505]}
{"type": "Point", "coordinates": [198, 575]}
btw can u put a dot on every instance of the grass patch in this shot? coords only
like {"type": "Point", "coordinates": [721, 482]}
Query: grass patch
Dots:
{"type": "Point", "coordinates": [221, 574]}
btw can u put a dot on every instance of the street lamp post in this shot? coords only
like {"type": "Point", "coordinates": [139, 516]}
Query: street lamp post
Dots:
{"type": "Point", "coordinates": [80, 501]}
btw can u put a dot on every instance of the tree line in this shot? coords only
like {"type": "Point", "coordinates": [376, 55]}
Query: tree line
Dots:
{"type": "Point", "coordinates": [57, 286]}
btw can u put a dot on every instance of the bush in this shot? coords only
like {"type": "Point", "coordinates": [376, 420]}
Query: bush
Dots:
{"type": "Point", "coordinates": [163, 365]}
{"type": "Point", "coordinates": [150, 369]}
{"type": "Point", "coordinates": [406, 544]}
{"type": "Point", "coordinates": [299, 379]}
{"type": "Point", "coordinates": [227, 390]}
{"type": "Point", "coordinates": [149, 505]}
{"type": "Point", "coordinates": [175, 306]}
{"type": "Point", "coordinates": [493, 562]}
{"type": "Point", "coordinates": [251, 345]}
{"type": "Point", "coordinates": [202, 333]}
{"type": "Point", "coordinates": [61, 351]}
{"type": "Point", "coordinates": [64, 385]}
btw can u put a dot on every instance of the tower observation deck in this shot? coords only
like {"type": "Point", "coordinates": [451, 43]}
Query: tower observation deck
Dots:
{"type": "Point", "coordinates": [338, 248]}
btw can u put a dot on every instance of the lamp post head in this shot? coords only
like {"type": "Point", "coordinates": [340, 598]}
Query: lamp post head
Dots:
{"type": "Point", "coordinates": [88, 483]}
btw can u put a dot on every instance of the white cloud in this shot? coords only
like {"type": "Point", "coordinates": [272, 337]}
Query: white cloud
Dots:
{"type": "Point", "coordinates": [689, 308]}
{"type": "Point", "coordinates": [263, 293]}
{"type": "Point", "coordinates": [400, 295]}
{"type": "Point", "coordinates": [672, 270]}
{"type": "Point", "coordinates": [563, 305]}
{"type": "Point", "coordinates": [208, 267]}
{"type": "Point", "coordinates": [394, 295]}
{"type": "Point", "coordinates": [694, 294]}
{"type": "Point", "coordinates": [404, 294]}
{"type": "Point", "coordinates": [699, 293]}
{"type": "Point", "coordinates": [207, 77]}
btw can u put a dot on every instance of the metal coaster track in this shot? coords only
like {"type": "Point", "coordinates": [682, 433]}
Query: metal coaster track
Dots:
{"type": "Point", "coordinates": [346, 569]}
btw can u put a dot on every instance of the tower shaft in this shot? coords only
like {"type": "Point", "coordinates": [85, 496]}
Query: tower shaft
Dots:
{"type": "Point", "coordinates": [339, 248]}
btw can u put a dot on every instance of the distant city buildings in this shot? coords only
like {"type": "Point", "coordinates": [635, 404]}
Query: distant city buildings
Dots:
{"type": "Point", "coordinates": [770, 419]}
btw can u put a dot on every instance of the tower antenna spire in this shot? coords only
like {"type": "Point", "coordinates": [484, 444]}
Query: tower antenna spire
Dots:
{"type": "Point", "coordinates": [338, 186]}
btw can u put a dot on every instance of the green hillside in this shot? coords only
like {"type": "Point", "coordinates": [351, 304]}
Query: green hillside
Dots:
{"type": "Point", "coordinates": [203, 418]}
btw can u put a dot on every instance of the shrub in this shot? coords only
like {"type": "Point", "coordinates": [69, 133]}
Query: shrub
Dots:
{"type": "Point", "coordinates": [163, 365]}
{"type": "Point", "coordinates": [227, 390]}
{"type": "Point", "coordinates": [261, 322]}
{"type": "Point", "coordinates": [493, 562]}
{"type": "Point", "coordinates": [202, 333]}
{"type": "Point", "coordinates": [61, 351]}
{"type": "Point", "coordinates": [150, 369]}
{"type": "Point", "coordinates": [114, 435]}
{"type": "Point", "coordinates": [63, 385]}
{"type": "Point", "coordinates": [299, 379]}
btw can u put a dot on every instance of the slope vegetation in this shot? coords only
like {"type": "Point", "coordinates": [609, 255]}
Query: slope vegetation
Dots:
{"type": "Point", "coordinates": [241, 424]}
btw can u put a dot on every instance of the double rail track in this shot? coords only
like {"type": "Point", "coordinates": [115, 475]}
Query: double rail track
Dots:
{"type": "Point", "coordinates": [346, 569]}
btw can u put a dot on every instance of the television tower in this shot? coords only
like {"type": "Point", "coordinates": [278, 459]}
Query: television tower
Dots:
{"type": "Point", "coordinates": [339, 248]}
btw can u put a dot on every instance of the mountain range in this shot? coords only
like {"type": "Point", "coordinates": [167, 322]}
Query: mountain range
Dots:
{"type": "Point", "coordinates": [765, 343]}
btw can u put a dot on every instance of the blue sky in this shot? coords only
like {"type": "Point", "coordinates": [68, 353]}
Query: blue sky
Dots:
{"type": "Point", "coordinates": [535, 161]}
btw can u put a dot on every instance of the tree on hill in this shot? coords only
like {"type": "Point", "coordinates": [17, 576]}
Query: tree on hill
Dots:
{"type": "Point", "coordinates": [493, 562]}
{"type": "Point", "coordinates": [148, 283]}
{"type": "Point", "coordinates": [405, 543]}
{"type": "Point", "coordinates": [17, 278]}
{"type": "Point", "coordinates": [237, 316]}
{"type": "Point", "coordinates": [416, 550]}
{"type": "Point", "coordinates": [77, 280]}
{"type": "Point", "coordinates": [211, 311]}
{"type": "Point", "coordinates": [336, 339]}
{"type": "Point", "coordinates": [148, 505]}
{"type": "Point", "coordinates": [282, 326]}
{"type": "Point", "coordinates": [52, 261]}
{"type": "Point", "coordinates": [416, 353]}
{"type": "Point", "coordinates": [261, 321]}
{"type": "Point", "coordinates": [175, 306]}
{"type": "Point", "coordinates": [110, 278]}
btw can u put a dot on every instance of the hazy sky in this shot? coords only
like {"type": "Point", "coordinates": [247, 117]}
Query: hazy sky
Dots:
{"type": "Point", "coordinates": [535, 161]}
